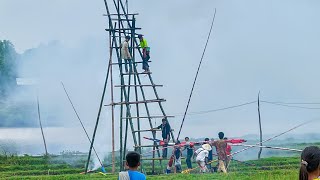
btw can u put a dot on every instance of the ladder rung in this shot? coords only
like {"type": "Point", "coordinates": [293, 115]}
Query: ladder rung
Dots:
{"type": "Point", "coordinates": [121, 14]}
{"type": "Point", "coordinates": [122, 29]}
{"type": "Point", "coordinates": [147, 85]}
{"type": "Point", "coordinates": [117, 19]}
{"type": "Point", "coordinates": [137, 102]}
{"type": "Point", "coordinates": [146, 117]}
{"type": "Point", "coordinates": [147, 130]}
{"type": "Point", "coordinates": [131, 62]}
{"type": "Point", "coordinates": [136, 73]}
{"type": "Point", "coordinates": [114, 47]}
{"type": "Point", "coordinates": [170, 144]}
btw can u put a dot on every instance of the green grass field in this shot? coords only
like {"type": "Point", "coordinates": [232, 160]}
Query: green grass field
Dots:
{"type": "Point", "coordinates": [55, 167]}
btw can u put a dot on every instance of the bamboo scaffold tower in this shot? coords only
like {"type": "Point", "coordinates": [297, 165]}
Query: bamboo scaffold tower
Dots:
{"type": "Point", "coordinates": [134, 105]}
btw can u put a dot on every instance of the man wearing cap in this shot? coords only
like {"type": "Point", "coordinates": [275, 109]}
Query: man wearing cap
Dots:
{"type": "Point", "coordinates": [202, 156]}
{"type": "Point", "coordinates": [165, 129]}
{"type": "Point", "coordinates": [145, 53]}
{"type": "Point", "coordinates": [125, 54]}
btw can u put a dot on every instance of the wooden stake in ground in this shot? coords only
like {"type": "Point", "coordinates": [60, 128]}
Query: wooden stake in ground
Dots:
{"type": "Point", "coordinates": [260, 127]}
{"type": "Point", "coordinates": [44, 140]}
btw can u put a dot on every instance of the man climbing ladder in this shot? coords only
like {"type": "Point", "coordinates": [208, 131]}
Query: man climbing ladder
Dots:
{"type": "Point", "coordinates": [145, 53]}
{"type": "Point", "coordinates": [125, 54]}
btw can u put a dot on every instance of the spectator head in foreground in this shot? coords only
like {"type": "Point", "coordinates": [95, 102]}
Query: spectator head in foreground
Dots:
{"type": "Point", "coordinates": [310, 161]}
{"type": "Point", "coordinates": [133, 160]}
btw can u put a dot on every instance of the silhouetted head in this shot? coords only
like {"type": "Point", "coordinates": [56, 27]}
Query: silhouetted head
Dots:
{"type": "Point", "coordinates": [221, 135]}
{"type": "Point", "coordinates": [133, 159]}
{"type": "Point", "coordinates": [140, 36]}
{"type": "Point", "coordinates": [186, 138]}
{"type": "Point", "coordinates": [164, 121]}
{"type": "Point", "coordinates": [177, 143]}
{"type": "Point", "coordinates": [127, 38]}
{"type": "Point", "coordinates": [310, 161]}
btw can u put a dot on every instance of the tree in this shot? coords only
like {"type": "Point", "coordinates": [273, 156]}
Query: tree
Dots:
{"type": "Point", "coordinates": [8, 68]}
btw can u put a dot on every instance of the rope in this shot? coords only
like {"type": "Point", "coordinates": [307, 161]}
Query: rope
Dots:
{"type": "Point", "coordinates": [195, 79]}
{"type": "Point", "coordinates": [84, 129]}
{"type": "Point", "coordinates": [222, 109]}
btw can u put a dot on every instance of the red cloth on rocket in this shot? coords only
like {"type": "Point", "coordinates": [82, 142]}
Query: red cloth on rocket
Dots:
{"type": "Point", "coordinates": [235, 141]}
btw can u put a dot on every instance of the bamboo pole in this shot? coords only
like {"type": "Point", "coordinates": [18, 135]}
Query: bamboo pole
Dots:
{"type": "Point", "coordinates": [112, 111]}
{"type": "Point", "coordinates": [40, 123]}
{"type": "Point", "coordinates": [260, 126]}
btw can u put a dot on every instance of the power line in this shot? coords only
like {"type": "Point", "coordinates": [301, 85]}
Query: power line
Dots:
{"type": "Point", "coordinates": [293, 106]}
{"type": "Point", "coordinates": [222, 109]}
{"type": "Point", "coordinates": [84, 129]}
{"type": "Point", "coordinates": [280, 102]}
{"type": "Point", "coordinates": [215, 110]}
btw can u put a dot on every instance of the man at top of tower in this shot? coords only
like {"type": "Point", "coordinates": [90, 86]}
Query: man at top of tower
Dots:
{"type": "Point", "coordinates": [145, 53]}
{"type": "Point", "coordinates": [125, 54]}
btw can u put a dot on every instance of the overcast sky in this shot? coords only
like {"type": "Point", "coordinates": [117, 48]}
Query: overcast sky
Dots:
{"type": "Point", "coordinates": [269, 46]}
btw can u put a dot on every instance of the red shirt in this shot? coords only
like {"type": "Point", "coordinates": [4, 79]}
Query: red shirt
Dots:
{"type": "Point", "coordinates": [228, 149]}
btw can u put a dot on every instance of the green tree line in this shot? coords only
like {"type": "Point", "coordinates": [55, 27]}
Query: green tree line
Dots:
{"type": "Point", "coordinates": [8, 67]}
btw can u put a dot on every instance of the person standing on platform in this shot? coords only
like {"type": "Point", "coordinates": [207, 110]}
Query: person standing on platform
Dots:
{"type": "Point", "coordinates": [125, 54]}
{"type": "Point", "coordinates": [165, 131]}
{"type": "Point", "coordinates": [145, 53]}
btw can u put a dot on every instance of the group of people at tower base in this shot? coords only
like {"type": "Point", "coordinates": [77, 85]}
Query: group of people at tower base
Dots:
{"type": "Point", "coordinates": [128, 58]}
{"type": "Point", "coordinates": [309, 170]}
{"type": "Point", "coordinates": [202, 155]}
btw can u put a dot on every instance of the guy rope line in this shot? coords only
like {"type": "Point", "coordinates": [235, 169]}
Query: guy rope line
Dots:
{"type": "Point", "coordinates": [84, 129]}
{"type": "Point", "coordinates": [237, 152]}
{"type": "Point", "coordinates": [286, 105]}
{"type": "Point", "coordinates": [221, 109]}
{"type": "Point", "coordinates": [195, 79]}
{"type": "Point", "coordinates": [268, 147]}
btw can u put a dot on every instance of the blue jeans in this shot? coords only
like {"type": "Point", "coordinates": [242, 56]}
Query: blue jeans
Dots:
{"type": "Point", "coordinates": [188, 159]}
{"type": "Point", "coordinates": [145, 65]}
{"type": "Point", "coordinates": [209, 160]}
{"type": "Point", "coordinates": [126, 63]}
{"type": "Point", "coordinates": [165, 149]}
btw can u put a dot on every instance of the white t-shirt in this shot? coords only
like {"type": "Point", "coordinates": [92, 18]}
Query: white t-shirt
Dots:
{"type": "Point", "coordinates": [125, 50]}
{"type": "Point", "coordinates": [201, 154]}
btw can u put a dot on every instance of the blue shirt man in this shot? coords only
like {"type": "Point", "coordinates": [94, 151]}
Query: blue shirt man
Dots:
{"type": "Point", "coordinates": [133, 162]}
{"type": "Point", "coordinates": [135, 175]}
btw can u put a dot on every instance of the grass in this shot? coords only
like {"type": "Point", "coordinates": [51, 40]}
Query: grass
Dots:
{"type": "Point", "coordinates": [28, 167]}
